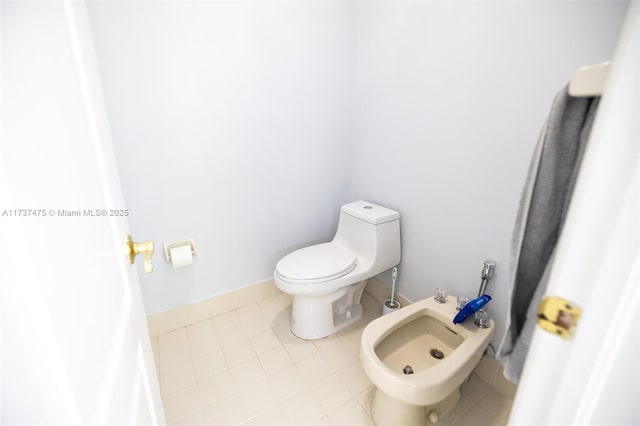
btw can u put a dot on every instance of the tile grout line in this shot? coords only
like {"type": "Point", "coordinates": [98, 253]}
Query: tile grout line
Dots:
{"type": "Point", "coordinates": [341, 341]}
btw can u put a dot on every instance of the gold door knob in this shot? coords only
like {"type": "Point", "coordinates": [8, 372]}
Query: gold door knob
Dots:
{"type": "Point", "coordinates": [134, 249]}
{"type": "Point", "coordinates": [558, 316]}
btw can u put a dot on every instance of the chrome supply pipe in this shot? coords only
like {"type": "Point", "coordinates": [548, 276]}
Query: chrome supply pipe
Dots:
{"type": "Point", "coordinates": [487, 273]}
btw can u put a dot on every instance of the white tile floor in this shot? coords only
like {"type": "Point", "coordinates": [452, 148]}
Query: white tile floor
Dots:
{"type": "Point", "coordinates": [245, 367]}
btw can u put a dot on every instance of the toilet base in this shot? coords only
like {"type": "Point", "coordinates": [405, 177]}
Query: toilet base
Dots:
{"type": "Point", "coordinates": [389, 411]}
{"type": "Point", "coordinates": [314, 318]}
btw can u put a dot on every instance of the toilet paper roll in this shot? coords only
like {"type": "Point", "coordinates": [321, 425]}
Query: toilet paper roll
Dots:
{"type": "Point", "coordinates": [181, 256]}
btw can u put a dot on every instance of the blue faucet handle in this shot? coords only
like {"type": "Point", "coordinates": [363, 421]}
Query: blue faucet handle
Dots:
{"type": "Point", "coordinates": [471, 308]}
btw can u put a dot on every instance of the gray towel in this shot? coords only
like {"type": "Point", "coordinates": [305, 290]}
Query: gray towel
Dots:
{"type": "Point", "coordinates": [543, 207]}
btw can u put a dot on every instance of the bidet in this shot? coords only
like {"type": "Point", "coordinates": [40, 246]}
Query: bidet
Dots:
{"type": "Point", "coordinates": [417, 359]}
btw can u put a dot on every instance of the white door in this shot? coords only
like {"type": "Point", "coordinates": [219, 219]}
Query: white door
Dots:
{"type": "Point", "coordinates": [75, 346]}
{"type": "Point", "coordinates": [594, 378]}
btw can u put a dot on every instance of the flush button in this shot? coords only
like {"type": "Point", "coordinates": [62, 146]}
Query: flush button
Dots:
{"type": "Point", "coordinates": [367, 207]}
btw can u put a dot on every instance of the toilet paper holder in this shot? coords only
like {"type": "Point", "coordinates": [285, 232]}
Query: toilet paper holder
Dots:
{"type": "Point", "coordinates": [168, 246]}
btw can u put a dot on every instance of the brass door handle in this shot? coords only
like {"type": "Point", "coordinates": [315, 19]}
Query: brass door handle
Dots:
{"type": "Point", "coordinates": [558, 316]}
{"type": "Point", "coordinates": [134, 249]}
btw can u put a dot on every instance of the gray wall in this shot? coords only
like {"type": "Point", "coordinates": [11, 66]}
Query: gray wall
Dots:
{"type": "Point", "coordinates": [246, 125]}
{"type": "Point", "coordinates": [450, 99]}
{"type": "Point", "coordinates": [231, 125]}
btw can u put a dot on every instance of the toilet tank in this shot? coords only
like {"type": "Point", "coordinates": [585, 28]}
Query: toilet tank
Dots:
{"type": "Point", "coordinates": [371, 232]}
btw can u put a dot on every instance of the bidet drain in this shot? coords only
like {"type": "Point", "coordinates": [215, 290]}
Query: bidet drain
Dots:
{"type": "Point", "coordinates": [407, 370]}
{"type": "Point", "coordinates": [436, 353]}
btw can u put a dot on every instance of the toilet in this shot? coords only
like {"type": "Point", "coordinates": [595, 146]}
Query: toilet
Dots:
{"type": "Point", "coordinates": [417, 358]}
{"type": "Point", "coordinates": [327, 280]}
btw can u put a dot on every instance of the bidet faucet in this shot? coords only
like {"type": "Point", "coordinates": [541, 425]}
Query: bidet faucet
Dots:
{"type": "Point", "coordinates": [487, 273]}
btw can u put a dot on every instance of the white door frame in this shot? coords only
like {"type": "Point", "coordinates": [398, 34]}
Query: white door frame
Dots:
{"type": "Point", "coordinates": [594, 378]}
{"type": "Point", "coordinates": [74, 347]}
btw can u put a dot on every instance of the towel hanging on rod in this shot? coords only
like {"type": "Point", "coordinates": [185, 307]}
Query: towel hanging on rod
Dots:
{"type": "Point", "coordinates": [589, 80]}
{"type": "Point", "coordinates": [543, 206]}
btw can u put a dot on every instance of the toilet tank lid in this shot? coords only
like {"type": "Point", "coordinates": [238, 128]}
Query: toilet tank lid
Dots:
{"type": "Point", "coordinates": [370, 212]}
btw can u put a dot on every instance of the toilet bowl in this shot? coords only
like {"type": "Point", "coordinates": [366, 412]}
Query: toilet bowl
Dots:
{"type": "Point", "coordinates": [417, 359]}
{"type": "Point", "coordinates": [327, 280]}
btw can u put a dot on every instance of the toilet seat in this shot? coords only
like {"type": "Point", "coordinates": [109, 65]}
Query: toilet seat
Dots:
{"type": "Point", "coordinates": [322, 262]}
